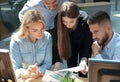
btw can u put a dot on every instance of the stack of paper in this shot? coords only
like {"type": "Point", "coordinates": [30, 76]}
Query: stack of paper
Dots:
{"type": "Point", "coordinates": [58, 76]}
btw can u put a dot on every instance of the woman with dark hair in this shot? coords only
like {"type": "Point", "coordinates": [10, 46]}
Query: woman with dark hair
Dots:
{"type": "Point", "coordinates": [74, 37]}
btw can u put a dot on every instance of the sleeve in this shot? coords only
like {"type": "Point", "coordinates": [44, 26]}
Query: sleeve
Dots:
{"type": "Point", "coordinates": [83, 14]}
{"type": "Point", "coordinates": [16, 57]}
{"type": "Point", "coordinates": [116, 55]}
{"type": "Point", "coordinates": [87, 42]}
{"type": "Point", "coordinates": [48, 57]}
{"type": "Point", "coordinates": [31, 4]}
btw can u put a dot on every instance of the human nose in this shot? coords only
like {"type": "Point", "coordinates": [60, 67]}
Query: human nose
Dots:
{"type": "Point", "coordinates": [40, 32]}
{"type": "Point", "coordinates": [93, 35]}
{"type": "Point", "coordinates": [68, 25]}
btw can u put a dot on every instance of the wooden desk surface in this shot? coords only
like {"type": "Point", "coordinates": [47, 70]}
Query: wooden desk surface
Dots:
{"type": "Point", "coordinates": [83, 79]}
{"type": "Point", "coordinates": [80, 79]}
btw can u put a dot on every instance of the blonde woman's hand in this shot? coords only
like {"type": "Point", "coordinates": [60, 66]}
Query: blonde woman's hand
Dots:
{"type": "Point", "coordinates": [34, 71]}
{"type": "Point", "coordinates": [24, 74]}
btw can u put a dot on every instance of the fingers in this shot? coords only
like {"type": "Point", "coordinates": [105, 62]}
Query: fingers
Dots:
{"type": "Point", "coordinates": [35, 74]}
{"type": "Point", "coordinates": [84, 66]}
{"type": "Point", "coordinates": [24, 74]}
{"type": "Point", "coordinates": [85, 70]}
{"type": "Point", "coordinates": [34, 71]}
{"type": "Point", "coordinates": [83, 63]}
{"type": "Point", "coordinates": [95, 47]}
{"type": "Point", "coordinates": [33, 68]}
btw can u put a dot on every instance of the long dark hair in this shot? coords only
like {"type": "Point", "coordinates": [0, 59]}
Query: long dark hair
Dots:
{"type": "Point", "coordinates": [70, 10]}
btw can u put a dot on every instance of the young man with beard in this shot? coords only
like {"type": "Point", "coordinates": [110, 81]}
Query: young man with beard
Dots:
{"type": "Point", "coordinates": [107, 42]}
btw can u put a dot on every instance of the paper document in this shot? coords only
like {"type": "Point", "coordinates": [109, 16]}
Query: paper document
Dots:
{"type": "Point", "coordinates": [53, 76]}
{"type": "Point", "coordinates": [73, 69]}
{"type": "Point", "coordinates": [58, 76]}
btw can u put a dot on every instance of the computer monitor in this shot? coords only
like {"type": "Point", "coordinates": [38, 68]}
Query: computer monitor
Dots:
{"type": "Point", "coordinates": [104, 70]}
{"type": "Point", "coordinates": [6, 69]}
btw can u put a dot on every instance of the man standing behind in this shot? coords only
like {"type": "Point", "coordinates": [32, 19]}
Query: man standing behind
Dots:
{"type": "Point", "coordinates": [107, 42]}
{"type": "Point", "coordinates": [47, 8]}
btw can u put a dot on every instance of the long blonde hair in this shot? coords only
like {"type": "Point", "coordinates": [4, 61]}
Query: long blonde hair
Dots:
{"type": "Point", "coordinates": [29, 17]}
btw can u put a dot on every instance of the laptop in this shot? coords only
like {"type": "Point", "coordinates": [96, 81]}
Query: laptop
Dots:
{"type": "Point", "coordinates": [6, 68]}
{"type": "Point", "coordinates": [104, 70]}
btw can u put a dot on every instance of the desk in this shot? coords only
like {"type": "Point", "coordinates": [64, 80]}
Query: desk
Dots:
{"type": "Point", "coordinates": [82, 79]}
{"type": "Point", "coordinates": [40, 80]}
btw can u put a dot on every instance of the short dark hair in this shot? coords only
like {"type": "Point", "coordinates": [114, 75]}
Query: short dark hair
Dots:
{"type": "Point", "coordinates": [99, 17]}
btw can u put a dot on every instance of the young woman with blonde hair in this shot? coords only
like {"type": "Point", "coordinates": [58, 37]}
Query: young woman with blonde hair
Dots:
{"type": "Point", "coordinates": [31, 47]}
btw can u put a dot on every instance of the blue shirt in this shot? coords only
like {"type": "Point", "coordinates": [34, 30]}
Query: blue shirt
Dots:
{"type": "Point", "coordinates": [24, 52]}
{"type": "Point", "coordinates": [48, 15]}
{"type": "Point", "coordinates": [112, 49]}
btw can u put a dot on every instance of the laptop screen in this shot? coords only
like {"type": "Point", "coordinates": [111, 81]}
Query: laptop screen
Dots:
{"type": "Point", "coordinates": [6, 69]}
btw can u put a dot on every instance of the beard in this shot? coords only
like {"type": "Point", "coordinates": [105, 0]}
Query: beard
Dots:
{"type": "Point", "coordinates": [104, 40]}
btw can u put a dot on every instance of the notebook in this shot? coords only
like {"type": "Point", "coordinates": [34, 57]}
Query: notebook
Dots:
{"type": "Point", "coordinates": [6, 69]}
